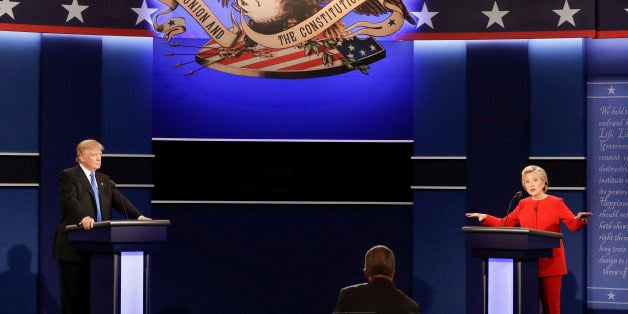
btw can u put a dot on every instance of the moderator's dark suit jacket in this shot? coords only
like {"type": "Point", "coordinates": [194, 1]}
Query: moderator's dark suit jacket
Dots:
{"type": "Point", "coordinates": [376, 296]}
{"type": "Point", "coordinates": [77, 201]}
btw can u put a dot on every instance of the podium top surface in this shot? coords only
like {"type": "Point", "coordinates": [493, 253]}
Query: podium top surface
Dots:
{"type": "Point", "coordinates": [512, 230]}
{"type": "Point", "coordinates": [511, 242]}
{"type": "Point", "coordinates": [122, 223]}
{"type": "Point", "coordinates": [119, 235]}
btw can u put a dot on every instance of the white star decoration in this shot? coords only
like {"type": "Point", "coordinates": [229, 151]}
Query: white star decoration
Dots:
{"type": "Point", "coordinates": [75, 10]}
{"type": "Point", "coordinates": [611, 90]}
{"type": "Point", "coordinates": [6, 7]}
{"type": "Point", "coordinates": [143, 13]}
{"type": "Point", "coordinates": [566, 14]}
{"type": "Point", "coordinates": [611, 296]}
{"type": "Point", "coordinates": [425, 16]}
{"type": "Point", "coordinates": [495, 16]}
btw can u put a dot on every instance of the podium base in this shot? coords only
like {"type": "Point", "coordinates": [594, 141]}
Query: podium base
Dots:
{"type": "Point", "coordinates": [119, 283]}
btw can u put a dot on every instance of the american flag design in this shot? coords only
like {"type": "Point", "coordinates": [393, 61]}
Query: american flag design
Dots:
{"type": "Point", "coordinates": [317, 45]}
{"type": "Point", "coordinates": [90, 17]}
{"type": "Point", "coordinates": [511, 19]}
{"type": "Point", "coordinates": [436, 19]}
{"type": "Point", "coordinates": [407, 20]}
{"type": "Point", "coordinates": [612, 18]}
{"type": "Point", "coordinates": [292, 62]}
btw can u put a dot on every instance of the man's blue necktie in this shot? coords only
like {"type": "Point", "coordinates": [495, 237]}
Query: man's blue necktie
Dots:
{"type": "Point", "coordinates": [92, 180]}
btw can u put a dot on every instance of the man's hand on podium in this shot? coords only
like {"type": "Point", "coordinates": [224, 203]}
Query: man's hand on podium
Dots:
{"type": "Point", "coordinates": [87, 223]}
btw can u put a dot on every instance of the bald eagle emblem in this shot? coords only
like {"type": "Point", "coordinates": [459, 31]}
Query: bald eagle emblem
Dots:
{"type": "Point", "coordinates": [287, 38]}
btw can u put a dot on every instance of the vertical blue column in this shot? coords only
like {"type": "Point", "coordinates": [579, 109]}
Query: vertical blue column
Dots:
{"type": "Point", "coordinates": [19, 96]}
{"type": "Point", "coordinates": [497, 134]}
{"type": "Point", "coordinates": [440, 94]}
{"type": "Point", "coordinates": [127, 77]}
{"type": "Point", "coordinates": [557, 130]}
{"type": "Point", "coordinates": [497, 121]}
{"type": "Point", "coordinates": [439, 130]}
{"type": "Point", "coordinates": [70, 108]}
{"type": "Point", "coordinates": [557, 97]}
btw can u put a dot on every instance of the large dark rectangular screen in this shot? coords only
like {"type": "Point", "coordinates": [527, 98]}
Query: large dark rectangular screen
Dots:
{"type": "Point", "coordinates": [282, 171]}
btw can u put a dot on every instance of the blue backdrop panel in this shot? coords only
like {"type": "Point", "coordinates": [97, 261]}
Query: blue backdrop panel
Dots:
{"type": "Point", "coordinates": [212, 104]}
{"type": "Point", "coordinates": [439, 251]}
{"type": "Point", "coordinates": [19, 95]}
{"type": "Point", "coordinates": [127, 69]}
{"type": "Point", "coordinates": [497, 121]}
{"type": "Point", "coordinates": [608, 193]}
{"type": "Point", "coordinates": [70, 112]}
{"type": "Point", "coordinates": [557, 113]}
{"type": "Point", "coordinates": [18, 250]}
{"type": "Point", "coordinates": [439, 98]}
{"type": "Point", "coordinates": [606, 56]}
{"type": "Point", "coordinates": [573, 287]}
{"type": "Point", "coordinates": [497, 134]}
{"type": "Point", "coordinates": [141, 198]}
{"type": "Point", "coordinates": [272, 258]}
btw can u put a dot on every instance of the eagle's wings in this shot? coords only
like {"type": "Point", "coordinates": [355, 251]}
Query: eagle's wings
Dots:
{"type": "Point", "coordinates": [374, 7]}
{"type": "Point", "coordinates": [299, 10]}
{"type": "Point", "coordinates": [370, 7]}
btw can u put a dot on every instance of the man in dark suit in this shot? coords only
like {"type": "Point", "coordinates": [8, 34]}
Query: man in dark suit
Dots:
{"type": "Point", "coordinates": [81, 206]}
{"type": "Point", "coordinates": [379, 294]}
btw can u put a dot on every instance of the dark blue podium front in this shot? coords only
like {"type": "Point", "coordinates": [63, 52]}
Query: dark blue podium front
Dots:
{"type": "Point", "coordinates": [522, 247]}
{"type": "Point", "coordinates": [120, 262]}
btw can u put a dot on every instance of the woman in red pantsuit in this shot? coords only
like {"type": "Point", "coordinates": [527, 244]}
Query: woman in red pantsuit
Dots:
{"type": "Point", "coordinates": [543, 212]}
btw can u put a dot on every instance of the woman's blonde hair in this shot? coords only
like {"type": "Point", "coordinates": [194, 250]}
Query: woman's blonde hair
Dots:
{"type": "Point", "coordinates": [539, 171]}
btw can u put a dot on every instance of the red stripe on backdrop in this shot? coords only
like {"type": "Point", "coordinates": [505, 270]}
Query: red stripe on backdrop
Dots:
{"type": "Point", "coordinates": [499, 35]}
{"type": "Point", "coordinates": [312, 63]}
{"type": "Point", "coordinates": [76, 30]}
{"type": "Point", "coordinates": [612, 34]}
{"type": "Point", "coordinates": [263, 63]}
{"type": "Point", "coordinates": [284, 59]}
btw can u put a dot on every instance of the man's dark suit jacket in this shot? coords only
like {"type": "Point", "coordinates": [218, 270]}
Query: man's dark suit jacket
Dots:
{"type": "Point", "coordinates": [379, 295]}
{"type": "Point", "coordinates": [78, 201]}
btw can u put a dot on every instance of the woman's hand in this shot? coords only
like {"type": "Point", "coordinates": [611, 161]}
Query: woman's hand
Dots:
{"type": "Point", "coordinates": [479, 216]}
{"type": "Point", "coordinates": [584, 216]}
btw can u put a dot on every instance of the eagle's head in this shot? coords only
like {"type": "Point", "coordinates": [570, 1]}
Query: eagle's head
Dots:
{"type": "Point", "coordinates": [272, 16]}
{"type": "Point", "coordinates": [263, 11]}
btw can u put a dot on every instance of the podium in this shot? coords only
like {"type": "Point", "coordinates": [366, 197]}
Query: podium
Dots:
{"type": "Point", "coordinates": [119, 262]}
{"type": "Point", "coordinates": [510, 266]}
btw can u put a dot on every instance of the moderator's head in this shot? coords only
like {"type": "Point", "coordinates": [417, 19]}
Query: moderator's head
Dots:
{"type": "Point", "coordinates": [379, 260]}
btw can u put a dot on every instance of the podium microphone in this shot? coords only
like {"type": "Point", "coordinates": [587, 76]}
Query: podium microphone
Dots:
{"type": "Point", "coordinates": [517, 195]}
{"type": "Point", "coordinates": [126, 215]}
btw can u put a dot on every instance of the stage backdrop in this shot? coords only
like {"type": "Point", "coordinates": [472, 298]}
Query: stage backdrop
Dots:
{"type": "Point", "coordinates": [607, 102]}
